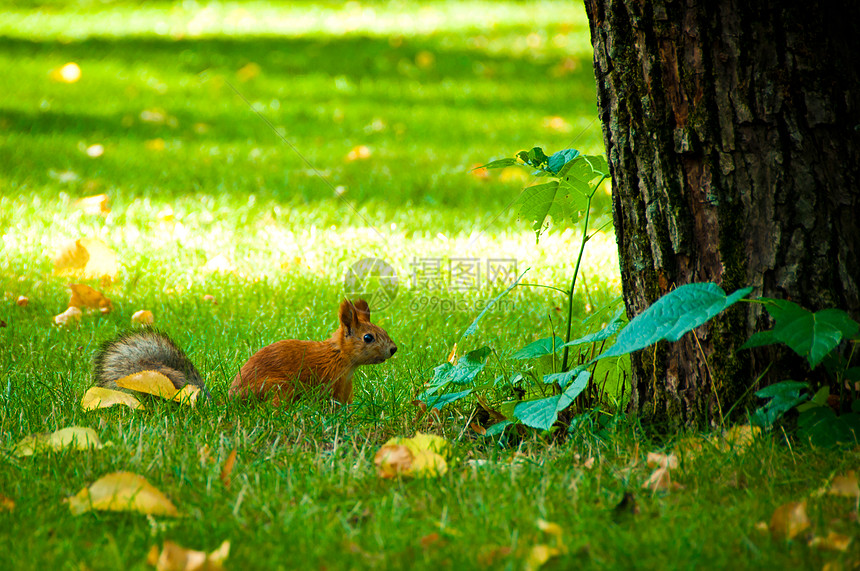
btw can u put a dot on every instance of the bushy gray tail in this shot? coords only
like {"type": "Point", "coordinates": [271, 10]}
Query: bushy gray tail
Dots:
{"type": "Point", "coordinates": [146, 350]}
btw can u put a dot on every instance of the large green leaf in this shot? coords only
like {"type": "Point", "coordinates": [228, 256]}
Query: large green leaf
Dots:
{"type": "Point", "coordinates": [783, 397]}
{"type": "Point", "coordinates": [543, 413]}
{"type": "Point", "coordinates": [439, 401]}
{"type": "Point", "coordinates": [466, 369]}
{"type": "Point", "coordinates": [498, 164]}
{"type": "Point", "coordinates": [611, 329]}
{"type": "Point", "coordinates": [561, 159]}
{"type": "Point", "coordinates": [673, 315]}
{"type": "Point", "coordinates": [810, 335]}
{"type": "Point", "coordinates": [539, 348]}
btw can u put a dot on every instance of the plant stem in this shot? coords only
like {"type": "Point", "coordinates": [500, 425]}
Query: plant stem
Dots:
{"type": "Point", "coordinates": [575, 272]}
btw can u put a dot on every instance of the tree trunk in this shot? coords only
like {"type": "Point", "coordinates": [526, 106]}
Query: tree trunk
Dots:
{"type": "Point", "coordinates": [732, 130]}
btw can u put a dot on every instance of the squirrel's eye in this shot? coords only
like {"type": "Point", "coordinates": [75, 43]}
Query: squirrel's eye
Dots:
{"type": "Point", "coordinates": [368, 338]}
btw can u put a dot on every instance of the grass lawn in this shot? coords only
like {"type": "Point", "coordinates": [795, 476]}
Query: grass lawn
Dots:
{"type": "Point", "coordinates": [253, 152]}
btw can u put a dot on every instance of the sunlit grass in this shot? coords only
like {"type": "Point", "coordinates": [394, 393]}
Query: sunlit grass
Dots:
{"type": "Point", "coordinates": [205, 199]}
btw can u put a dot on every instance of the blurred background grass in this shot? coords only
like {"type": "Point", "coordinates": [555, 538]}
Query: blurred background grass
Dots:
{"type": "Point", "coordinates": [389, 105]}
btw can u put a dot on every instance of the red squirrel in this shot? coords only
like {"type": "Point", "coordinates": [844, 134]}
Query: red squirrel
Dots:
{"type": "Point", "coordinates": [280, 371]}
{"type": "Point", "coordinates": [283, 370]}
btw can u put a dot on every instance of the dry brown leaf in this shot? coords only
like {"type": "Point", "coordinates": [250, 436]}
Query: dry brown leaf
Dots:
{"type": "Point", "coordinates": [393, 460]}
{"type": "Point", "coordinates": [6, 504]}
{"type": "Point", "coordinates": [142, 317]}
{"type": "Point", "coordinates": [227, 468]}
{"type": "Point", "coordinates": [174, 557]}
{"type": "Point", "coordinates": [659, 480]}
{"type": "Point", "coordinates": [122, 491]}
{"type": "Point", "coordinates": [83, 296]}
{"type": "Point", "coordinates": [69, 318]}
{"type": "Point", "coordinates": [657, 460]}
{"type": "Point", "coordinates": [845, 485]}
{"type": "Point", "coordinates": [832, 542]}
{"type": "Point", "coordinates": [22, 301]}
{"type": "Point", "coordinates": [100, 397]}
{"type": "Point", "coordinates": [94, 205]}
{"type": "Point", "coordinates": [589, 463]}
{"type": "Point", "coordinates": [789, 520]}
{"type": "Point", "coordinates": [476, 426]}
{"type": "Point", "coordinates": [154, 383]}
{"type": "Point", "coordinates": [74, 437]}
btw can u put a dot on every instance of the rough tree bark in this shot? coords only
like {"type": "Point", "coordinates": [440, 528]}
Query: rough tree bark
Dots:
{"type": "Point", "coordinates": [732, 130]}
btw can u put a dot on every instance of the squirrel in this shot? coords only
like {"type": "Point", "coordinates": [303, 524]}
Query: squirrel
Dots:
{"type": "Point", "coordinates": [147, 350]}
{"type": "Point", "coordinates": [281, 370]}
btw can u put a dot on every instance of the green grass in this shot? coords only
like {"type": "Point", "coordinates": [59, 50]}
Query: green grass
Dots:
{"type": "Point", "coordinates": [431, 92]}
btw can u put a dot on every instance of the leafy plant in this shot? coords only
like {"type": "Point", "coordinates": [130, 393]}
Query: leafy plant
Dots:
{"type": "Point", "coordinates": [575, 179]}
{"type": "Point", "coordinates": [815, 337]}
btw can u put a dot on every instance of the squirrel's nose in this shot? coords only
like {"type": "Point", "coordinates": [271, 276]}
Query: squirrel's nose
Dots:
{"type": "Point", "coordinates": [393, 350]}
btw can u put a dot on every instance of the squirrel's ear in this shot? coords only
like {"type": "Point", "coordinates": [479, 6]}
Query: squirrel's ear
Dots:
{"type": "Point", "coordinates": [348, 316]}
{"type": "Point", "coordinates": [363, 310]}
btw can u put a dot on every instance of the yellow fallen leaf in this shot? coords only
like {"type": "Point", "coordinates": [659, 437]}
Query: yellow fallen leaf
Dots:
{"type": "Point", "coordinates": [514, 174]}
{"type": "Point", "coordinates": [424, 455]}
{"type": "Point", "coordinates": [174, 557]}
{"type": "Point", "coordinates": [119, 492]}
{"type": "Point", "coordinates": [845, 485]}
{"type": "Point", "coordinates": [741, 437]}
{"type": "Point", "coordinates": [248, 72]}
{"type": "Point", "coordinates": [557, 124]}
{"type": "Point", "coordinates": [69, 73]}
{"type": "Point", "coordinates": [83, 296]}
{"type": "Point", "coordinates": [87, 257]}
{"type": "Point", "coordinates": [94, 205]}
{"type": "Point", "coordinates": [428, 464]}
{"type": "Point", "coordinates": [452, 356]}
{"type": "Point", "coordinates": [74, 437]}
{"type": "Point", "coordinates": [425, 59]}
{"type": "Point", "coordinates": [69, 318]}
{"type": "Point", "coordinates": [539, 555]}
{"type": "Point", "coordinates": [142, 317]}
{"type": "Point", "coordinates": [102, 260]}
{"type": "Point", "coordinates": [551, 528]}
{"type": "Point", "coordinates": [789, 520]}
{"type": "Point", "coordinates": [361, 152]}
{"type": "Point", "coordinates": [154, 144]}
{"type": "Point", "coordinates": [100, 397]}
{"type": "Point", "coordinates": [832, 542]}
{"type": "Point", "coordinates": [154, 383]}
{"type": "Point", "coordinates": [70, 256]}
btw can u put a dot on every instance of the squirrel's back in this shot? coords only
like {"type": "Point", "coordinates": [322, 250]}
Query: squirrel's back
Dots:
{"type": "Point", "coordinates": [146, 350]}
